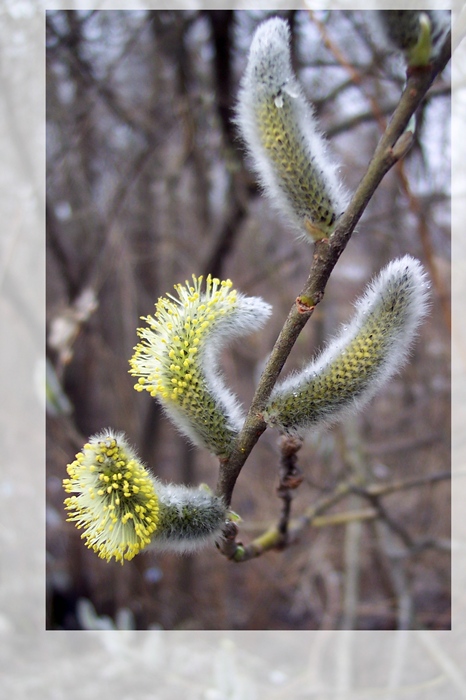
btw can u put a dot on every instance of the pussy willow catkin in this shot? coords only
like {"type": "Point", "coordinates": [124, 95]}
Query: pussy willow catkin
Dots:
{"type": "Point", "coordinates": [280, 131]}
{"type": "Point", "coordinates": [366, 353]}
{"type": "Point", "coordinates": [177, 358]}
{"type": "Point", "coordinates": [122, 508]}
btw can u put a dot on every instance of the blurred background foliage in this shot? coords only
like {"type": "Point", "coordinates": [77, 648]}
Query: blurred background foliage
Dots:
{"type": "Point", "coordinates": [147, 184]}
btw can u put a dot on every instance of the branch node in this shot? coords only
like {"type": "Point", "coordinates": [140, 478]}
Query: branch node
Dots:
{"type": "Point", "coordinates": [305, 305]}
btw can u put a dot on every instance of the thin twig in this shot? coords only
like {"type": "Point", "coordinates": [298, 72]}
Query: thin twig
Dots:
{"type": "Point", "coordinates": [355, 75]}
{"type": "Point", "coordinates": [402, 484]}
{"type": "Point", "coordinates": [290, 478]}
{"type": "Point", "coordinates": [273, 538]}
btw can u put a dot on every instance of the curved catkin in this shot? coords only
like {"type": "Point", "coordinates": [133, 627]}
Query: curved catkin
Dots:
{"type": "Point", "coordinates": [280, 131]}
{"type": "Point", "coordinates": [371, 349]}
{"type": "Point", "coordinates": [123, 509]}
{"type": "Point", "coordinates": [176, 360]}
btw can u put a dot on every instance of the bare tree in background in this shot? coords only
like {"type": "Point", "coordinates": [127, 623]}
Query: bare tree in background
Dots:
{"type": "Point", "coordinates": [147, 184]}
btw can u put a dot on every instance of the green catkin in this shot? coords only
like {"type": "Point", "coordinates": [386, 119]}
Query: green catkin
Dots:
{"type": "Point", "coordinates": [280, 131]}
{"type": "Point", "coordinates": [365, 355]}
{"type": "Point", "coordinates": [301, 178]}
{"type": "Point", "coordinates": [188, 518]}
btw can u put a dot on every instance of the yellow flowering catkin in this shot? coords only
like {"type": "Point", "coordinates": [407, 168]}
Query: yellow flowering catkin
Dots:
{"type": "Point", "coordinates": [113, 497]}
{"type": "Point", "coordinates": [177, 358]}
{"type": "Point", "coordinates": [280, 131]}
{"type": "Point", "coordinates": [366, 353]}
{"type": "Point", "coordinates": [122, 508]}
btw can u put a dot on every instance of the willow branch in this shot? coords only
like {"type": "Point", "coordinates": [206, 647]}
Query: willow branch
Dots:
{"type": "Point", "coordinates": [393, 145]}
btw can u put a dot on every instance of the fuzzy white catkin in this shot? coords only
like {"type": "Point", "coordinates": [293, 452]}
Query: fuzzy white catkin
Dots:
{"type": "Point", "coordinates": [366, 353]}
{"type": "Point", "coordinates": [189, 518]}
{"type": "Point", "coordinates": [280, 131]}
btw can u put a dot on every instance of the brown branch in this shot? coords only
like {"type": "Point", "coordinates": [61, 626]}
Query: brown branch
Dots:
{"type": "Point", "coordinates": [391, 148]}
{"type": "Point", "coordinates": [401, 484]}
{"type": "Point", "coordinates": [313, 516]}
{"type": "Point", "coordinates": [290, 478]}
{"type": "Point", "coordinates": [273, 538]}
{"type": "Point", "coordinates": [349, 123]}
{"type": "Point", "coordinates": [374, 492]}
